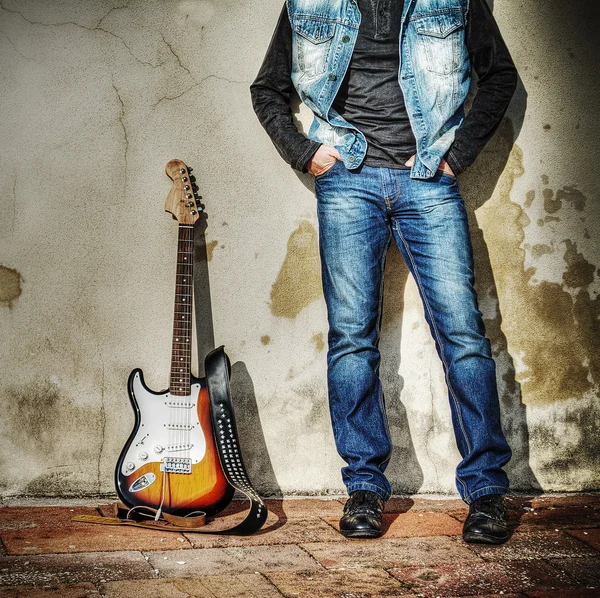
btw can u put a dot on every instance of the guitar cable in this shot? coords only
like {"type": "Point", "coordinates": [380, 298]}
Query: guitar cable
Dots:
{"type": "Point", "coordinates": [164, 491]}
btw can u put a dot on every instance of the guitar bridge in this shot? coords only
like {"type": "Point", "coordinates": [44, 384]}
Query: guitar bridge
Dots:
{"type": "Point", "coordinates": [176, 465]}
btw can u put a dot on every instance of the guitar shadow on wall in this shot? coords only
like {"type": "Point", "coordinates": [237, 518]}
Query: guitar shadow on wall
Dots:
{"type": "Point", "coordinates": [251, 437]}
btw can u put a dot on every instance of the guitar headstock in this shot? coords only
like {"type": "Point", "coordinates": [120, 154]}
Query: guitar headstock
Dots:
{"type": "Point", "coordinates": [181, 201]}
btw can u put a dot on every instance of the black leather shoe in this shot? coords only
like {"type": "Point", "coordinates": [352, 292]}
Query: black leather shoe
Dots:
{"type": "Point", "coordinates": [362, 517]}
{"type": "Point", "coordinates": [487, 522]}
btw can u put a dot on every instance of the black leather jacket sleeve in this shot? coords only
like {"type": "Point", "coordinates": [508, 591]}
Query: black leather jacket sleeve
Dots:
{"type": "Point", "coordinates": [271, 91]}
{"type": "Point", "coordinates": [497, 82]}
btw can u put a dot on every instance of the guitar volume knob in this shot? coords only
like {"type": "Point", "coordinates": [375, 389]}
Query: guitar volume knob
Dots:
{"type": "Point", "coordinates": [129, 466]}
{"type": "Point", "coordinates": [142, 456]}
{"type": "Point", "coordinates": [157, 448]}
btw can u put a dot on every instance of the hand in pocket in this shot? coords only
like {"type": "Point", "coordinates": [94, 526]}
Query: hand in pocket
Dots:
{"type": "Point", "coordinates": [444, 166]}
{"type": "Point", "coordinates": [323, 160]}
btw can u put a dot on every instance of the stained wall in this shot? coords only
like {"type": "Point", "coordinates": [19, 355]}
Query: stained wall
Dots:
{"type": "Point", "coordinates": [96, 97]}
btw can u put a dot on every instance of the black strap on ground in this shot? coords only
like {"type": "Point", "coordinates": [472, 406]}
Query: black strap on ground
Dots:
{"type": "Point", "coordinates": [217, 369]}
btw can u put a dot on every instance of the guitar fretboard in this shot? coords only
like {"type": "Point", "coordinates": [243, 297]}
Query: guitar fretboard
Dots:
{"type": "Point", "coordinates": [181, 356]}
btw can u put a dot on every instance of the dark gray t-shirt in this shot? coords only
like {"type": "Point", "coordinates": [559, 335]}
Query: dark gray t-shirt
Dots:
{"type": "Point", "coordinates": [370, 97]}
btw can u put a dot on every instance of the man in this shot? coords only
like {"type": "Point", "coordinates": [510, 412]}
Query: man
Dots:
{"type": "Point", "coordinates": [387, 81]}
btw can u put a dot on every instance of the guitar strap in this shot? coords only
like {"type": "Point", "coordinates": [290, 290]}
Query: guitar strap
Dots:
{"type": "Point", "coordinates": [217, 369]}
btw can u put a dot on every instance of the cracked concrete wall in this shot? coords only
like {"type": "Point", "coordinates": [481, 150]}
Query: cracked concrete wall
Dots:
{"type": "Point", "coordinates": [97, 96]}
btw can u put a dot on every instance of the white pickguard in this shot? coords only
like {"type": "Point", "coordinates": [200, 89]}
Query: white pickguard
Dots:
{"type": "Point", "coordinates": [167, 422]}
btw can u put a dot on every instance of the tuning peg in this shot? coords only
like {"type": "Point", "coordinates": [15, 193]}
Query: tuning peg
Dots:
{"type": "Point", "coordinates": [189, 204]}
{"type": "Point", "coordinates": [182, 170]}
{"type": "Point", "coordinates": [193, 212]}
{"type": "Point", "coordinates": [184, 179]}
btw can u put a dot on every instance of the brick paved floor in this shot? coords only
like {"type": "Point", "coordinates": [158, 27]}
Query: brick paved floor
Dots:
{"type": "Point", "coordinates": [554, 552]}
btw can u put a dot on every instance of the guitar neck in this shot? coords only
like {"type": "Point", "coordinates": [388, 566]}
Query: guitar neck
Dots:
{"type": "Point", "coordinates": [181, 356]}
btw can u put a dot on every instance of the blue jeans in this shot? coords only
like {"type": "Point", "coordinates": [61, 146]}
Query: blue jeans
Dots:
{"type": "Point", "coordinates": [359, 211]}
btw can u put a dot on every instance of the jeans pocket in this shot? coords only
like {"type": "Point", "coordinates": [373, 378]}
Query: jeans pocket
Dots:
{"type": "Point", "coordinates": [447, 176]}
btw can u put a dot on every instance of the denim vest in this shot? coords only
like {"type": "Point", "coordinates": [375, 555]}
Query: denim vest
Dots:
{"type": "Point", "coordinates": [434, 73]}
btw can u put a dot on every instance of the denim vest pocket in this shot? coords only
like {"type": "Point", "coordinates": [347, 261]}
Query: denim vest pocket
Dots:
{"type": "Point", "coordinates": [313, 42]}
{"type": "Point", "coordinates": [440, 37]}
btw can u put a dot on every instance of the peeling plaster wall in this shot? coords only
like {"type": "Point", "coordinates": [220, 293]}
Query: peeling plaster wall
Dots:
{"type": "Point", "coordinates": [96, 97]}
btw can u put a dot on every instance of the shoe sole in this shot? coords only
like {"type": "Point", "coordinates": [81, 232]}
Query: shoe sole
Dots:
{"type": "Point", "coordinates": [360, 533]}
{"type": "Point", "coordinates": [483, 539]}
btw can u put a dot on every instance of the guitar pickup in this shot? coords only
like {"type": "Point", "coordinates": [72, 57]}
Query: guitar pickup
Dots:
{"type": "Point", "coordinates": [179, 426]}
{"type": "Point", "coordinates": [173, 448]}
{"type": "Point", "coordinates": [179, 404]}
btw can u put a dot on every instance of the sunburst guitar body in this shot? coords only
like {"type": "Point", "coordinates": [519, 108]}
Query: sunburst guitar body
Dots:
{"type": "Point", "coordinates": [170, 462]}
{"type": "Point", "coordinates": [173, 433]}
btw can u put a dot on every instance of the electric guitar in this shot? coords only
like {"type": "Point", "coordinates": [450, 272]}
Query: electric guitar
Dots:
{"type": "Point", "coordinates": [170, 462]}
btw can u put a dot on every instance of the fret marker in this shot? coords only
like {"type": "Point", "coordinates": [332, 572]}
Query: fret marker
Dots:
{"type": "Point", "coordinates": [176, 339]}
{"type": "Point", "coordinates": [181, 359]}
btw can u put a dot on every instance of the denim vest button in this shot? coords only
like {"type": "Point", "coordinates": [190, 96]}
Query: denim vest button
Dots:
{"type": "Point", "coordinates": [351, 159]}
{"type": "Point", "coordinates": [346, 38]}
{"type": "Point", "coordinates": [332, 76]}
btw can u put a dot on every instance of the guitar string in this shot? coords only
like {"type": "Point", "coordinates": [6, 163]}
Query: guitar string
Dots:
{"type": "Point", "coordinates": [189, 349]}
{"type": "Point", "coordinates": [183, 388]}
{"type": "Point", "coordinates": [180, 361]}
{"type": "Point", "coordinates": [185, 296]}
{"type": "Point", "coordinates": [187, 358]}
{"type": "Point", "coordinates": [188, 388]}
{"type": "Point", "coordinates": [190, 304]}
{"type": "Point", "coordinates": [181, 435]}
